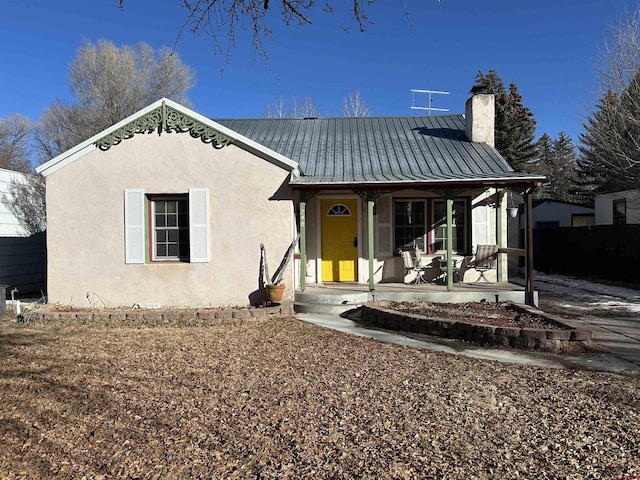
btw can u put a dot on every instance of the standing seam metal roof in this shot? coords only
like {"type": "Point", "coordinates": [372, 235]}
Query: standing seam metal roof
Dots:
{"type": "Point", "coordinates": [377, 149]}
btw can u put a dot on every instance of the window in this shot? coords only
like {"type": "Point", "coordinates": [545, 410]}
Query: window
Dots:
{"type": "Point", "coordinates": [410, 224]}
{"type": "Point", "coordinates": [583, 220]}
{"type": "Point", "coordinates": [169, 227]}
{"type": "Point", "coordinates": [458, 226]}
{"type": "Point", "coordinates": [166, 228]}
{"type": "Point", "coordinates": [620, 211]}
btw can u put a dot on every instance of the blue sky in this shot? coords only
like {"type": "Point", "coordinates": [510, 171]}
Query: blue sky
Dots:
{"type": "Point", "coordinates": [549, 48]}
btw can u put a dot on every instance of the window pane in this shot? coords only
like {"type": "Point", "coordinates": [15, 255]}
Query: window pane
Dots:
{"type": "Point", "coordinates": [161, 250]}
{"type": "Point", "coordinates": [172, 235]}
{"type": "Point", "coordinates": [173, 250]}
{"type": "Point", "coordinates": [159, 207]}
{"type": "Point", "coordinates": [172, 207]}
{"type": "Point", "coordinates": [172, 221]}
{"type": "Point", "coordinates": [410, 224]}
{"type": "Point", "coordinates": [161, 236]}
{"type": "Point", "coordinates": [160, 222]}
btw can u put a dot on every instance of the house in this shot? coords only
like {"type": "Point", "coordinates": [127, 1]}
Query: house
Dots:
{"type": "Point", "coordinates": [169, 207]}
{"type": "Point", "coordinates": [548, 213]}
{"type": "Point", "coordinates": [9, 224]}
{"type": "Point", "coordinates": [618, 208]}
{"type": "Point", "coordinates": [22, 256]}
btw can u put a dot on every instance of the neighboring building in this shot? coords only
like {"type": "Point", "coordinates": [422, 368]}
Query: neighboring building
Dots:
{"type": "Point", "coordinates": [169, 207]}
{"type": "Point", "coordinates": [618, 208]}
{"type": "Point", "coordinates": [9, 225]}
{"type": "Point", "coordinates": [547, 213]}
{"type": "Point", "coordinates": [22, 256]}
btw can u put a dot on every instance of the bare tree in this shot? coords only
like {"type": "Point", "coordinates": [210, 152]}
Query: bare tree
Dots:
{"type": "Point", "coordinates": [221, 19]}
{"type": "Point", "coordinates": [108, 84]}
{"type": "Point", "coordinates": [305, 109]}
{"type": "Point", "coordinates": [610, 145]}
{"type": "Point", "coordinates": [14, 143]}
{"type": "Point", "coordinates": [26, 201]}
{"type": "Point", "coordinates": [353, 105]}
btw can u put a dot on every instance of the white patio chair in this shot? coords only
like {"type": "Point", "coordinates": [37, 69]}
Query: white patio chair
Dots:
{"type": "Point", "coordinates": [484, 260]}
{"type": "Point", "coordinates": [413, 264]}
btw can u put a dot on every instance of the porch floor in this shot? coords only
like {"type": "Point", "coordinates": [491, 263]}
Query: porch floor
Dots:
{"type": "Point", "coordinates": [353, 293]}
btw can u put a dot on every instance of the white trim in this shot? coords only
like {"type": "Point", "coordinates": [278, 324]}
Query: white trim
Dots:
{"type": "Point", "coordinates": [88, 145]}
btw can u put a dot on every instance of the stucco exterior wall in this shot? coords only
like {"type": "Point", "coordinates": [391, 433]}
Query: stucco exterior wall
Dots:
{"type": "Point", "coordinates": [249, 203]}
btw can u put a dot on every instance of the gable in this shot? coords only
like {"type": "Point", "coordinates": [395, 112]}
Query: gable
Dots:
{"type": "Point", "coordinates": [165, 117]}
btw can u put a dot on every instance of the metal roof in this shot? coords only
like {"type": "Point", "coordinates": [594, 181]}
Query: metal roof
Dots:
{"type": "Point", "coordinates": [380, 150]}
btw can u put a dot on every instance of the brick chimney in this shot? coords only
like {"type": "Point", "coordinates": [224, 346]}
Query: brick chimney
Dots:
{"type": "Point", "coordinates": [480, 112]}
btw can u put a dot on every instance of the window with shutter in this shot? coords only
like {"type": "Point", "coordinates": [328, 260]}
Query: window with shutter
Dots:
{"type": "Point", "coordinates": [177, 229]}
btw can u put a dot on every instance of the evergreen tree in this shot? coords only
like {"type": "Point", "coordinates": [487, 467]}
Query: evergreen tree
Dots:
{"type": "Point", "coordinates": [555, 159]}
{"type": "Point", "coordinates": [515, 126]}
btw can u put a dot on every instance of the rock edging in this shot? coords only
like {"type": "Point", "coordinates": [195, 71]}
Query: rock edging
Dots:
{"type": "Point", "coordinates": [547, 340]}
{"type": "Point", "coordinates": [158, 317]}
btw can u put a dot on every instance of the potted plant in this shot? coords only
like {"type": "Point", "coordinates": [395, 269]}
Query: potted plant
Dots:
{"type": "Point", "coordinates": [273, 284]}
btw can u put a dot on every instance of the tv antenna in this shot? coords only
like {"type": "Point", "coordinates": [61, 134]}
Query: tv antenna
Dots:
{"type": "Point", "coordinates": [429, 108]}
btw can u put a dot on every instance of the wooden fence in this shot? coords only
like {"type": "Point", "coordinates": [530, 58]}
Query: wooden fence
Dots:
{"type": "Point", "coordinates": [609, 252]}
{"type": "Point", "coordinates": [23, 264]}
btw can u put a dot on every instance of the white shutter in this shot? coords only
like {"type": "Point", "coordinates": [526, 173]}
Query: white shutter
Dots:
{"type": "Point", "coordinates": [199, 225]}
{"type": "Point", "coordinates": [134, 226]}
{"type": "Point", "coordinates": [383, 225]}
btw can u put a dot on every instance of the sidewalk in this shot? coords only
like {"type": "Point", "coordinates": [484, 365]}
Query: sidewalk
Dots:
{"type": "Point", "coordinates": [619, 334]}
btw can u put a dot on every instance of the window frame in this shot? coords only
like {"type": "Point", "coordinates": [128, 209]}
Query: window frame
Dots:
{"type": "Point", "coordinates": [619, 218]}
{"type": "Point", "coordinates": [465, 241]}
{"type": "Point", "coordinates": [183, 230]}
{"type": "Point", "coordinates": [424, 237]}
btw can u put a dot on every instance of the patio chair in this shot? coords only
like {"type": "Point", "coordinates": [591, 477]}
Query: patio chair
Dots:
{"type": "Point", "coordinates": [413, 263]}
{"type": "Point", "coordinates": [484, 260]}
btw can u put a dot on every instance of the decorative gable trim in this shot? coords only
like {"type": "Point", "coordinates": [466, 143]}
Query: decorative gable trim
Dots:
{"type": "Point", "coordinates": [175, 118]}
{"type": "Point", "coordinates": [164, 119]}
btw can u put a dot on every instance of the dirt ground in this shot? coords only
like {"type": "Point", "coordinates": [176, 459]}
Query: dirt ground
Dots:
{"type": "Point", "coordinates": [280, 398]}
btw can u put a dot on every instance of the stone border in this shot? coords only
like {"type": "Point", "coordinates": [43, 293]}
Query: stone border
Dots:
{"type": "Point", "coordinates": [163, 317]}
{"type": "Point", "coordinates": [557, 341]}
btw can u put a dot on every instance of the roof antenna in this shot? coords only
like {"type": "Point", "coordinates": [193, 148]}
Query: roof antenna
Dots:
{"type": "Point", "coordinates": [429, 108]}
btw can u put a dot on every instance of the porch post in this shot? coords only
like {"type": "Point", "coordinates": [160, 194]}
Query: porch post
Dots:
{"type": "Point", "coordinates": [305, 196]}
{"type": "Point", "coordinates": [370, 203]}
{"type": "Point", "coordinates": [449, 244]}
{"type": "Point", "coordinates": [303, 241]}
{"type": "Point", "coordinates": [499, 234]}
{"type": "Point", "coordinates": [528, 251]}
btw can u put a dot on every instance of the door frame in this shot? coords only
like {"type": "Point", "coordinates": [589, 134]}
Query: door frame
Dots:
{"type": "Point", "coordinates": [319, 215]}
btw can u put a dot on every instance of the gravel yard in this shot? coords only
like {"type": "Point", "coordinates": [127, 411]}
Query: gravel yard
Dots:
{"type": "Point", "coordinates": [279, 398]}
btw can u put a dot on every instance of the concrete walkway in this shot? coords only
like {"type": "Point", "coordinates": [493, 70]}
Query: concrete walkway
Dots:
{"type": "Point", "coordinates": [619, 335]}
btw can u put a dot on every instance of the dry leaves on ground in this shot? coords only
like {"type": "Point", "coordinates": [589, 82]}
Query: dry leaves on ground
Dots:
{"type": "Point", "coordinates": [488, 313]}
{"type": "Point", "coordinates": [279, 398]}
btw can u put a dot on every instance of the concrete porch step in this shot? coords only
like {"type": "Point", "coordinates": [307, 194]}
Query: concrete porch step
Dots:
{"type": "Point", "coordinates": [329, 302]}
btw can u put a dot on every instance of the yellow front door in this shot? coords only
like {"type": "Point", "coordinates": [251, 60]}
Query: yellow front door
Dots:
{"type": "Point", "coordinates": [339, 240]}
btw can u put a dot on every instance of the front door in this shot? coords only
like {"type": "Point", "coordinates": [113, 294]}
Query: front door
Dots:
{"type": "Point", "coordinates": [339, 240]}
